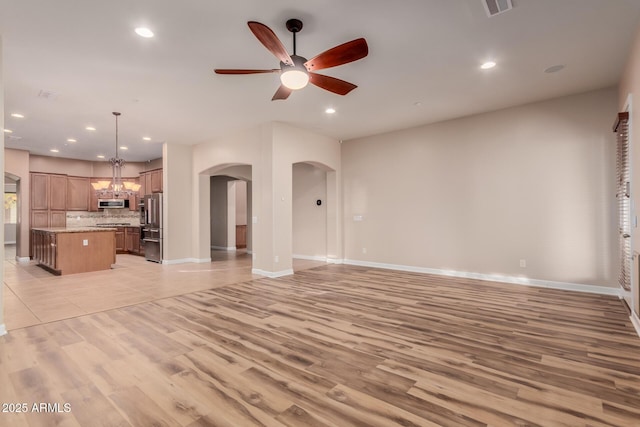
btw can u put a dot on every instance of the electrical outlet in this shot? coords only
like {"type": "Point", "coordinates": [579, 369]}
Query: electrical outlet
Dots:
{"type": "Point", "coordinates": [276, 258]}
{"type": "Point", "coordinates": [364, 250]}
{"type": "Point", "coordinates": [523, 263]}
{"type": "Point", "coordinates": [85, 242]}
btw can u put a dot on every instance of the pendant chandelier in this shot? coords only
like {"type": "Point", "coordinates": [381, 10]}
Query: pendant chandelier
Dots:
{"type": "Point", "coordinates": [116, 186]}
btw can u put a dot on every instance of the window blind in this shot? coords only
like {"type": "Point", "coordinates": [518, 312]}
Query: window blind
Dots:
{"type": "Point", "coordinates": [623, 195]}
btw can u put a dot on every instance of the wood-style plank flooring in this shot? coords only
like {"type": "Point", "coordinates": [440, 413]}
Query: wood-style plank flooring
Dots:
{"type": "Point", "coordinates": [329, 346]}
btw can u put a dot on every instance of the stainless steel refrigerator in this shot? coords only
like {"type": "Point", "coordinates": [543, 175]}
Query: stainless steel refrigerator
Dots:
{"type": "Point", "coordinates": [152, 227]}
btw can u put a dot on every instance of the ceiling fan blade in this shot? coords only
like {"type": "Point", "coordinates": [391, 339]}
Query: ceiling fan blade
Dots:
{"type": "Point", "coordinates": [283, 92]}
{"type": "Point", "coordinates": [240, 71]}
{"type": "Point", "coordinates": [331, 84]}
{"type": "Point", "coordinates": [269, 39]}
{"type": "Point", "coordinates": [342, 54]}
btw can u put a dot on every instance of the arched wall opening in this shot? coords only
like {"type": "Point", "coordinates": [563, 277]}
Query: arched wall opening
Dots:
{"type": "Point", "coordinates": [229, 210]}
{"type": "Point", "coordinates": [13, 202]}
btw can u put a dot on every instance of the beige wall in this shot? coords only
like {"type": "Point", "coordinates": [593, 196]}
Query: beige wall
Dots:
{"type": "Point", "coordinates": [270, 150]}
{"type": "Point", "coordinates": [177, 201]}
{"type": "Point", "coordinates": [219, 212]}
{"type": "Point", "coordinates": [17, 163]}
{"type": "Point", "coordinates": [479, 194]}
{"type": "Point", "coordinates": [309, 219]}
{"type": "Point", "coordinates": [629, 91]}
{"type": "Point", "coordinates": [85, 168]}
{"type": "Point", "coordinates": [241, 202]}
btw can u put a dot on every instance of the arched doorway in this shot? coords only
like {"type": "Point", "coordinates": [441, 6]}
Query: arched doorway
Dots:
{"type": "Point", "coordinates": [12, 216]}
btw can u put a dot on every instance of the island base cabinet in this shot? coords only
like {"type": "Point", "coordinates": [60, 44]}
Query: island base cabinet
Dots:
{"type": "Point", "coordinates": [74, 252]}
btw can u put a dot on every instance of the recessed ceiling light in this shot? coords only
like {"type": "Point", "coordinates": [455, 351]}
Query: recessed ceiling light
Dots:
{"type": "Point", "coordinates": [146, 138]}
{"type": "Point", "coordinates": [17, 115]}
{"type": "Point", "coordinates": [91, 128]}
{"type": "Point", "coordinates": [144, 32]}
{"type": "Point", "coordinates": [71, 140]}
{"type": "Point", "coordinates": [54, 150]}
{"type": "Point", "coordinates": [100, 156]}
{"type": "Point", "coordinates": [124, 148]}
{"type": "Point", "coordinates": [8, 131]}
{"type": "Point", "coordinates": [417, 104]}
{"type": "Point", "coordinates": [487, 65]}
{"type": "Point", "coordinates": [330, 110]}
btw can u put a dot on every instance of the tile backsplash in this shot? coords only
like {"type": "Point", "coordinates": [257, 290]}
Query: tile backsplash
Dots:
{"type": "Point", "coordinates": [89, 219]}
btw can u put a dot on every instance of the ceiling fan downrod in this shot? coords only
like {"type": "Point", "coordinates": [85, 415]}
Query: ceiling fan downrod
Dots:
{"type": "Point", "coordinates": [294, 25]}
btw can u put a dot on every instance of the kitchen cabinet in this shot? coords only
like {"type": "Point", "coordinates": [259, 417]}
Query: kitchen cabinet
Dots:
{"type": "Point", "coordinates": [120, 241]}
{"type": "Point", "coordinates": [39, 191]}
{"type": "Point", "coordinates": [156, 181]}
{"type": "Point", "coordinates": [78, 190]}
{"type": "Point", "coordinates": [132, 240]}
{"type": "Point", "coordinates": [48, 191]}
{"type": "Point", "coordinates": [48, 199]}
{"type": "Point", "coordinates": [57, 218]}
{"type": "Point", "coordinates": [151, 182]}
{"type": "Point", "coordinates": [58, 192]}
{"type": "Point", "coordinates": [69, 251]}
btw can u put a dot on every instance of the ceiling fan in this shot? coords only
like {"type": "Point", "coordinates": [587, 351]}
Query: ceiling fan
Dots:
{"type": "Point", "coordinates": [295, 71]}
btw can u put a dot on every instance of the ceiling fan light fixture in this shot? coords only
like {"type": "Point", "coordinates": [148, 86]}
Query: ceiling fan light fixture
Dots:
{"type": "Point", "coordinates": [294, 78]}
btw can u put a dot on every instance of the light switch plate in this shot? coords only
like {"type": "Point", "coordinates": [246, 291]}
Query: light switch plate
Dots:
{"type": "Point", "coordinates": [85, 242]}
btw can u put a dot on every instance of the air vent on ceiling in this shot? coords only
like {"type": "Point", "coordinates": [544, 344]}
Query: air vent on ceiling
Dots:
{"type": "Point", "coordinates": [47, 94]}
{"type": "Point", "coordinates": [496, 7]}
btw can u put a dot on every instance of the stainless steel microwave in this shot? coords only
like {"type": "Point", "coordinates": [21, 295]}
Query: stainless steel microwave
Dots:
{"type": "Point", "coordinates": [113, 203]}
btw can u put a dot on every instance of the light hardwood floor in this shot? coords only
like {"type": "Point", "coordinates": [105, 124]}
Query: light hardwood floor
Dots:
{"type": "Point", "coordinates": [211, 345]}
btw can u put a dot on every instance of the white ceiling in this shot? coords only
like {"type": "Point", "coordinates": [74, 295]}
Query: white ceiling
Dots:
{"type": "Point", "coordinates": [420, 51]}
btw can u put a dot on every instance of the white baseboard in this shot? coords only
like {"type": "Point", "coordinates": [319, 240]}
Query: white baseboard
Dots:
{"type": "Point", "coordinates": [224, 248]}
{"type": "Point", "coordinates": [10, 243]}
{"type": "Point", "coordinates": [310, 257]}
{"type": "Point", "coordinates": [603, 290]}
{"type": "Point", "coordinates": [185, 260]}
{"type": "Point", "coordinates": [23, 259]}
{"type": "Point", "coordinates": [319, 258]}
{"type": "Point", "coordinates": [635, 321]}
{"type": "Point", "coordinates": [272, 274]}
{"type": "Point", "coordinates": [3, 329]}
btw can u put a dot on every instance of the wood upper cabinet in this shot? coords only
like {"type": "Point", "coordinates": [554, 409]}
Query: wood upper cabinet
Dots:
{"type": "Point", "coordinates": [57, 218]}
{"type": "Point", "coordinates": [58, 192]}
{"type": "Point", "coordinates": [39, 219]}
{"type": "Point", "coordinates": [48, 191]}
{"type": "Point", "coordinates": [78, 193]}
{"type": "Point", "coordinates": [156, 181]}
{"type": "Point", "coordinates": [39, 191]}
{"type": "Point", "coordinates": [151, 182]}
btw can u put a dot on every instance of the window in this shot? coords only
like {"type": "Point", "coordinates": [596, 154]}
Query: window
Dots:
{"type": "Point", "coordinates": [623, 194]}
{"type": "Point", "coordinates": [10, 208]}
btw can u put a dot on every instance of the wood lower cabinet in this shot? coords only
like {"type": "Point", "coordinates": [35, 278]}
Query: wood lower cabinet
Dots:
{"type": "Point", "coordinates": [132, 240]}
{"type": "Point", "coordinates": [128, 241]}
{"type": "Point", "coordinates": [69, 251]}
{"type": "Point", "coordinates": [46, 219]}
{"type": "Point", "coordinates": [120, 241]}
{"type": "Point", "coordinates": [241, 236]}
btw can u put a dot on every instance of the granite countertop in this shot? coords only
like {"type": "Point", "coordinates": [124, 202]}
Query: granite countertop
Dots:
{"type": "Point", "coordinates": [74, 229]}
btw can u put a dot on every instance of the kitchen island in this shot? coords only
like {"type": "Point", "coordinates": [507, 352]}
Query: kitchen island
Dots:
{"type": "Point", "coordinates": [74, 250]}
